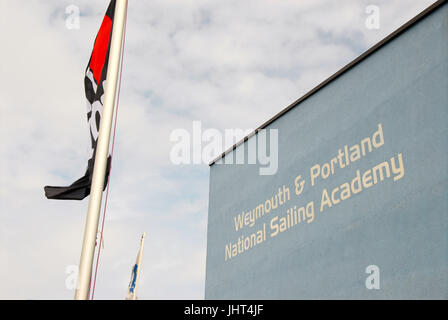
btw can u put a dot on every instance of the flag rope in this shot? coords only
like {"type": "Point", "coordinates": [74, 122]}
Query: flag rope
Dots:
{"type": "Point", "coordinates": [92, 288]}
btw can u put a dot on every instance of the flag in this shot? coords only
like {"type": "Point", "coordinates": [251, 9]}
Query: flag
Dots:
{"type": "Point", "coordinates": [133, 282]}
{"type": "Point", "coordinates": [94, 84]}
{"type": "Point", "coordinates": [132, 288]}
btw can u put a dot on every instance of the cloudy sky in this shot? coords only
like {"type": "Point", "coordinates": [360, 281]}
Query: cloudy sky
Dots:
{"type": "Point", "coordinates": [227, 63]}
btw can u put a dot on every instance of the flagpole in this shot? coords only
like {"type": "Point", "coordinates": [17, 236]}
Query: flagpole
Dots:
{"type": "Point", "coordinates": [102, 150]}
{"type": "Point", "coordinates": [135, 275]}
{"type": "Point", "coordinates": [139, 261]}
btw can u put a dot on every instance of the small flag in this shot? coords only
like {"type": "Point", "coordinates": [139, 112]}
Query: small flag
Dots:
{"type": "Point", "coordinates": [133, 281]}
{"type": "Point", "coordinates": [132, 288]}
{"type": "Point", "coordinates": [94, 84]}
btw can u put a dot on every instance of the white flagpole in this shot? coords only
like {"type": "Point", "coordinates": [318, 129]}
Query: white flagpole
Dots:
{"type": "Point", "coordinates": [99, 169]}
{"type": "Point", "coordinates": [133, 296]}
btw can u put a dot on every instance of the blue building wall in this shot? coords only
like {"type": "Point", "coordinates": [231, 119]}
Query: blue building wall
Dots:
{"type": "Point", "coordinates": [400, 226]}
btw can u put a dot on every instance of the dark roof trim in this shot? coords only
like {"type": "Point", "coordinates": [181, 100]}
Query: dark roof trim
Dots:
{"type": "Point", "coordinates": [367, 53]}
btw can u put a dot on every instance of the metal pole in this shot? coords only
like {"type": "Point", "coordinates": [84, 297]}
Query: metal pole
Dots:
{"type": "Point", "coordinates": [139, 263]}
{"type": "Point", "coordinates": [99, 169]}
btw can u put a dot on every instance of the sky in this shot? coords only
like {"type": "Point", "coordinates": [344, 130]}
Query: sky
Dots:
{"type": "Point", "coordinates": [226, 63]}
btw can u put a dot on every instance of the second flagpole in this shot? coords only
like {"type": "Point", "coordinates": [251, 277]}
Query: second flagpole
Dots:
{"type": "Point", "coordinates": [99, 169]}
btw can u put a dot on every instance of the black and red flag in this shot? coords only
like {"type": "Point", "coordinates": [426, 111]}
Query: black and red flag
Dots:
{"type": "Point", "coordinates": [94, 82]}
